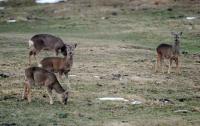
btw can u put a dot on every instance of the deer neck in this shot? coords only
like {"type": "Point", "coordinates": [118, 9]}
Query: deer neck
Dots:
{"type": "Point", "coordinates": [176, 47]}
{"type": "Point", "coordinates": [69, 59]}
{"type": "Point", "coordinates": [58, 88]}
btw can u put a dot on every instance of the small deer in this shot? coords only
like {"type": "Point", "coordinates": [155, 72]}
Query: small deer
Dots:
{"type": "Point", "coordinates": [58, 64]}
{"type": "Point", "coordinates": [42, 77]}
{"type": "Point", "coordinates": [171, 52]}
{"type": "Point", "coordinates": [45, 42]}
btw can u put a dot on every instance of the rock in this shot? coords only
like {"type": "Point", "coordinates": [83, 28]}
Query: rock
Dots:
{"type": "Point", "coordinates": [132, 9]}
{"type": "Point", "coordinates": [2, 8]}
{"type": "Point", "coordinates": [197, 61]}
{"type": "Point", "coordinates": [11, 21]}
{"type": "Point", "coordinates": [98, 77]}
{"type": "Point", "coordinates": [170, 9]}
{"type": "Point", "coordinates": [190, 18]}
{"type": "Point", "coordinates": [135, 102]}
{"type": "Point", "coordinates": [124, 121]}
{"type": "Point", "coordinates": [90, 118]}
{"type": "Point", "coordinates": [116, 76]}
{"type": "Point", "coordinates": [44, 96]}
{"type": "Point", "coordinates": [100, 85]}
{"type": "Point", "coordinates": [166, 101]}
{"type": "Point", "coordinates": [182, 111]}
{"type": "Point", "coordinates": [114, 13]}
{"type": "Point", "coordinates": [6, 74]}
{"type": "Point", "coordinates": [8, 97]}
{"type": "Point", "coordinates": [103, 18]}
{"type": "Point", "coordinates": [112, 99]}
{"type": "Point", "coordinates": [89, 5]}
{"type": "Point", "coordinates": [89, 103]}
{"type": "Point", "coordinates": [3, 75]}
{"type": "Point", "coordinates": [80, 115]}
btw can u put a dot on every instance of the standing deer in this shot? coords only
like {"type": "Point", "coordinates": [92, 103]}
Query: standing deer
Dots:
{"type": "Point", "coordinates": [171, 52]}
{"type": "Point", "coordinates": [58, 64]}
{"type": "Point", "coordinates": [45, 42]}
{"type": "Point", "coordinates": [42, 77]}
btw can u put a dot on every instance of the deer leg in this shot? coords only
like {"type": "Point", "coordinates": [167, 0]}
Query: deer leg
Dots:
{"type": "Point", "coordinates": [30, 54]}
{"type": "Point", "coordinates": [170, 64]}
{"type": "Point", "coordinates": [60, 73]}
{"type": "Point", "coordinates": [49, 91]}
{"type": "Point", "coordinates": [29, 92]}
{"type": "Point", "coordinates": [157, 63]}
{"type": "Point", "coordinates": [36, 58]}
{"type": "Point", "coordinates": [24, 95]}
{"type": "Point", "coordinates": [177, 66]}
{"type": "Point", "coordinates": [68, 79]}
{"type": "Point", "coordinates": [161, 63]}
{"type": "Point", "coordinates": [66, 74]}
{"type": "Point", "coordinates": [56, 51]}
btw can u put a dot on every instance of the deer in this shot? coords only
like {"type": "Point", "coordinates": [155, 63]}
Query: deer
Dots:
{"type": "Point", "coordinates": [171, 52]}
{"type": "Point", "coordinates": [45, 42]}
{"type": "Point", "coordinates": [41, 77]}
{"type": "Point", "coordinates": [60, 65]}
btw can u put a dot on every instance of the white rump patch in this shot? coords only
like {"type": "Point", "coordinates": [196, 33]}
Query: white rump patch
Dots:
{"type": "Point", "coordinates": [39, 65]}
{"type": "Point", "coordinates": [30, 43]}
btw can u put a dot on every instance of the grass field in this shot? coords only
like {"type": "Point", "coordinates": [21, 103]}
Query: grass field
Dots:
{"type": "Point", "coordinates": [114, 38]}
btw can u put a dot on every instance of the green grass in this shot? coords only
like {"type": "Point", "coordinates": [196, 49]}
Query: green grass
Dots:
{"type": "Point", "coordinates": [123, 44]}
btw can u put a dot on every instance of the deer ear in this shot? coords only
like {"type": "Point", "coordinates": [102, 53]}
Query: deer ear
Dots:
{"type": "Point", "coordinates": [173, 33]}
{"type": "Point", "coordinates": [63, 48]}
{"type": "Point", "coordinates": [75, 45]}
{"type": "Point", "coordinates": [66, 45]}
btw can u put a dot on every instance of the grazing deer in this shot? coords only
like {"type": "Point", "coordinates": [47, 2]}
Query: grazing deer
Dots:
{"type": "Point", "coordinates": [171, 52]}
{"type": "Point", "coordinates": [42, 77]}
{"type": "Point", "coordinates": [45, 42]}
{"type": "Point", "coordinates": [58, 64]}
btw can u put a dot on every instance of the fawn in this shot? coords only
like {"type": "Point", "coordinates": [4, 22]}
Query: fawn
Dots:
{"type": "Point", "coordinates": [42, 77]}
{"type": "Point", "coordinates": [58, 64]}
{"type": "Point", "coordinates": [171, 52]}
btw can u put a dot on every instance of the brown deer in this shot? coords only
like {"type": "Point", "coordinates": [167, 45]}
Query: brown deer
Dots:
{"type": "Point", "coordinates": [45, 42]}
{"type": "Point", "coordinates": [42, 77]}
{"type": "Point", "coordinates": [58, 64]}
{"type": "Point", "coordinates": [171, 52]}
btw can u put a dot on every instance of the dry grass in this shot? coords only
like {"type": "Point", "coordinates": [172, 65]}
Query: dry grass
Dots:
{"type": "Point", "coordinates": [138, 81]}
{"type": "Point", "coordinates": [115, 57]}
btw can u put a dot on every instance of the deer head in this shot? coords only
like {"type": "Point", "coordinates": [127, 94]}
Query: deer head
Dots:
{"type": "Point", "coordinates": [68, 49]}
{"type": "Point", "coordinates": [64, 97]}
{"type": "Point", "coordinates": [177, 35]}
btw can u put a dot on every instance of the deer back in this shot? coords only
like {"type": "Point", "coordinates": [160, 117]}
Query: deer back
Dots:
{"type": "Point", "coordinates": [52, 63]}
{"type": "Point", "coordinates": [40, 76]}
{"type": "Point", "coordinates": [46, 42]}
